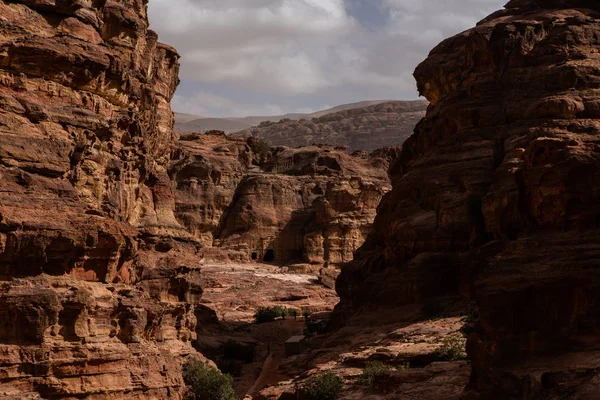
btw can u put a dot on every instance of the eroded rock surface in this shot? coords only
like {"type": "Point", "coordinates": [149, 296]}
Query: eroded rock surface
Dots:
{"type": "Point", "coordinates": [361, 129]}
{"type": "Point", "coordinates": [416, 368]}
{"type": "Point", "coordinates": [98, 278]}
{"type": "Point", "coordinates": [206, 171]}
{"type": "Point", "coordinates": [310, 205]}
{"type": "Point", "coordinates": [497, 196]}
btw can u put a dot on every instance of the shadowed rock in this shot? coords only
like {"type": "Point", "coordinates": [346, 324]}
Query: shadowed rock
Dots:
{"type": "Point", "coordinates": [496, 198]}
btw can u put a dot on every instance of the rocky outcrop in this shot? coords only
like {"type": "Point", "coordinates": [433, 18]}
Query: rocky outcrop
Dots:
{"type": "Point", "coordinates": [98, 278]}
{"type": "Point", "coordinates": [313, 205]}
{"type": "Point", "coordinates": [206, 171]}
{"type": "Point", "coordinates": [496, 197]}
{"type": "Point", "coordinates": [361, 129]}
{"type": "Point", "coordinates": [307, 205]}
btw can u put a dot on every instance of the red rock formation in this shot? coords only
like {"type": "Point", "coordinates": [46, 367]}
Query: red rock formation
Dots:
{"type": "Point", "coordinates": [206, 170]}
{"type": "Point", "coordinates": [497, 196]}
{"type": "Point", "coordinates": [96, 295]}
{"type": "Point", "coordinates": [312, 204]}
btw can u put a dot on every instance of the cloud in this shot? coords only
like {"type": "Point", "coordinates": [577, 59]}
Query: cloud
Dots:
{"type": "Point", "coordinates": [267, 45]}
{"type": "Point", "coordinates": [308, 52]}
{"type": "Point", "coordinates": [210, 105]}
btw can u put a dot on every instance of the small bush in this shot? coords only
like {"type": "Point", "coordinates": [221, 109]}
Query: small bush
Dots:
{"type": "Point", "coordinates": [452, 348]}
{"type": "Point", "coordinates": [259, 147]}
{"type": "Point", "coordinates": [281, 311]}
{"type": "Point", "coordinates": [206, 383]}
{"type": "Point", "coordinates": [324, 386]}
{"type": "Point", "coordinates": [267, 314]}
{"type": "Point", "coordinates": [374, 370]}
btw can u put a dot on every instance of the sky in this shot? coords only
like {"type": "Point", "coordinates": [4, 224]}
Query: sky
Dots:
{"type": "Point", "coordinates": [271, 57]}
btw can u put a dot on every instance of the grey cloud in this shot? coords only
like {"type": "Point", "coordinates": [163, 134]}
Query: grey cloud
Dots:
{"type": "Point", "coordinates": [315, 52]}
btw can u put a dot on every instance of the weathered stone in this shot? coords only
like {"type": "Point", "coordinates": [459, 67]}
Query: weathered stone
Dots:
{"type": "Point", "coordinates": [496, 195]}
{"type": "Point", "coordinates": [97, 298]}
{"type": "Point", "coordinates": [312, 204]}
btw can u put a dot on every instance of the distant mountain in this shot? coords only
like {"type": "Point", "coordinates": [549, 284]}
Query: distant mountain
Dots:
{"type": "Point", "coordinates": [188, 123]}
{"type": "Point", "coordinates": [367, 128]}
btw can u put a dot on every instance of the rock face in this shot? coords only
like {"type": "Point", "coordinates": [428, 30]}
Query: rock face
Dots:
{"type": "Point", "coordinates": [496, 197]}
{"type": "Point", "coordinates": [366, 128]}
{"type": "Point", "coordinates": [313, 204]}
{"type": "Point", "coordinates": [97, 296]}
{"type": "Point", "coordinates": [206, 171]}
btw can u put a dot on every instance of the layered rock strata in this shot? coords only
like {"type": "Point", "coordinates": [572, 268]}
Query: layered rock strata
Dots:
{"type": "Point", "coordinates": [496, 196]}
{"type": "Point", "coordinates": [359, 129]}
{"type": "Point", "coordinates": [307, 205]}
{"type": "Point", "coordinates": [98, 278]}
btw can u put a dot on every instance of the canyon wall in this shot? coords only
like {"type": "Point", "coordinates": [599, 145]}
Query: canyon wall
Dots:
{"type": "Point", "coordinates": [98, 278]}
{"type": "Point", "coordinates": [496, 201]}
{"type": "Point", "coordinates": [310, 205]}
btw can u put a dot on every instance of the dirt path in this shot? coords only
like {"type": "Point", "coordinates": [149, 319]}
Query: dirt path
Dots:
{"type": "Point", "coordinates": [274, 336]}
{"type": "Point", "coordinates": [262, 378]}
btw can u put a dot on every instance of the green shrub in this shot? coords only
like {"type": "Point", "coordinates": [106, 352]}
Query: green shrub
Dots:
{"type": "Point", "coordinates": [259, 147]}
{"type": "Point", "coordinates": [374, 370]}
{"type": "Point", "coordinates": [206, 383]}
{"type": "Point", "coordinates": [280, 310]}
{"type": "Point", "coordinates": [452, 348]}
{"type": "Point", "coordinates": [324, 386]}
{"type": "Point", "coordinates": [267, 314]}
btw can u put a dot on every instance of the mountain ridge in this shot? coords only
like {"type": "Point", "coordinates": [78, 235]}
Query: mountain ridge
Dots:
{"type": "Point", "coordinates": [186, 123]}
{"type": "Point", "coordinates": [358, 129]}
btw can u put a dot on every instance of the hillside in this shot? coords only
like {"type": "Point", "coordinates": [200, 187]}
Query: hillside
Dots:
{"type": "Point", "coordinates": [186, 123]}
{"type": "Point", "coordinates": [367, 128]}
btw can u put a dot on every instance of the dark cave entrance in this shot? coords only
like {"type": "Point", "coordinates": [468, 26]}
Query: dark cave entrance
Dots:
{"type": "Point", "coordinates": [269, 256]}
{"type": "Point", "coordinates": [254, 256]}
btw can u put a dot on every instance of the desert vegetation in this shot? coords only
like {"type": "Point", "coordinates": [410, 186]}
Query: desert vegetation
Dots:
{"type": "Point", "coordinates": [205, 382]}
{"type": "Point", "coordinates": [323, 386]}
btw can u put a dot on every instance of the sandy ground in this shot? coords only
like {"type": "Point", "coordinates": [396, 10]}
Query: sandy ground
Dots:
{"type": "Point", "coordinates": [235, 291]}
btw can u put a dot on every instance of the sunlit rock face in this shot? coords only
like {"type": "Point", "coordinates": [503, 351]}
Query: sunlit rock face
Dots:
{"type": "Point", "coordinates": [312, 205]}
{"type": "Point", "coordinates": [97, 297]}
{"type": "Point", "coordinates": [496, 199]}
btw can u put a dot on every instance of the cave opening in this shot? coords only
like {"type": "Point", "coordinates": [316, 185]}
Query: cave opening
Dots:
{"type": "Point", "coordinates": [269, 256]}
{"type": "Point", "coordinates": [254, 256]}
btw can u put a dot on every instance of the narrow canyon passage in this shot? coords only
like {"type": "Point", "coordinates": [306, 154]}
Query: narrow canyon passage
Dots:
{"type": "Point", "coordinates": [379, 250]}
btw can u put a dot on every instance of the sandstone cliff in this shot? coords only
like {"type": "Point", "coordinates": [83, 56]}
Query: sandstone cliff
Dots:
{"type": "Point", "coordinates": [91, 305]}
{"type": "Point", "coordinates": [496, 197]}
{"type": "Point", "coordinates": [308, 205]}
{"type": "Point", "coordinates": [366, 128]}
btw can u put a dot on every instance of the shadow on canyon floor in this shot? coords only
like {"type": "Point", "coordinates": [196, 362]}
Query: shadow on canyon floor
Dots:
{"type": "Point", "coordinates": [411, 349]}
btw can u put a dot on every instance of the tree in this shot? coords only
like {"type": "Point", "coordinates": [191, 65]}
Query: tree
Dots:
{"type": "Point", "coordinates": [206, 382]}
